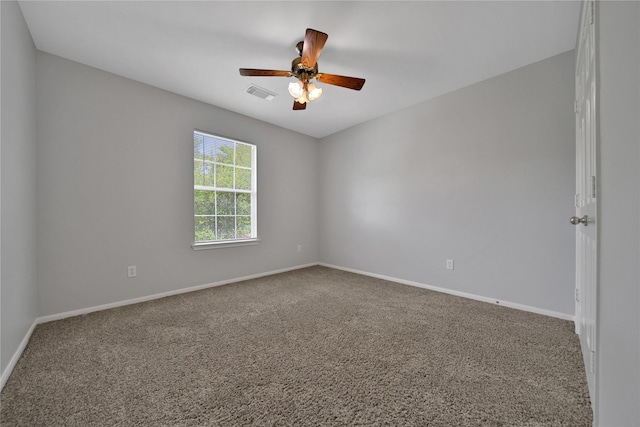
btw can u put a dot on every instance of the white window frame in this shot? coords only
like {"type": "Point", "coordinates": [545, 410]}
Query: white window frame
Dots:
{"type": "Point", "coordinates": [253, 240]}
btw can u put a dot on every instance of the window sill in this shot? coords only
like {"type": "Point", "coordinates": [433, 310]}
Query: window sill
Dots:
{"type": "Point", "coordinates": [201, 246]}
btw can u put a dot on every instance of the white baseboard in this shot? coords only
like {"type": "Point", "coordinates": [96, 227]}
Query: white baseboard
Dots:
{"type": "Point", "coordinates": [87, 310]}
{"type": "Point", "coordinates": [12, 363]}
{"type": "Point", "coordinates": [509, 304]}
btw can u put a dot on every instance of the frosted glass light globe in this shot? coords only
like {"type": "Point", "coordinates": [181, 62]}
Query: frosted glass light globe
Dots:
{"type": "Point", "coordinates": [314, 92]}
{"type": "Point", "coordinates": [296, 89]}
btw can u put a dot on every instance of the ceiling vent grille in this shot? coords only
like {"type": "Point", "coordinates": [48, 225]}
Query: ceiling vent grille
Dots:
{"type": "Point", "coordinates": [261, 92]}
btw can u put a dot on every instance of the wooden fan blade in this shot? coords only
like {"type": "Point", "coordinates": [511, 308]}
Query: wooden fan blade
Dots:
{"type": "Point", "coordinates": [313, 43]}
{"type": "Point", "coordinates": [264, 73]}
{"type": "Point", "coordinates": [354, 83]}
{"type": "Point", "coordinates": [299, 106]}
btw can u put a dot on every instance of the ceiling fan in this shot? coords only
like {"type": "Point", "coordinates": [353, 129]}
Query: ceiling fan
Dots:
{"type": "Point", "coordinates": [305, 68]}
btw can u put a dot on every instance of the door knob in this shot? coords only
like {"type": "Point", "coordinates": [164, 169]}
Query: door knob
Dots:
{"type": "Point", "coordinates": [577, 221]}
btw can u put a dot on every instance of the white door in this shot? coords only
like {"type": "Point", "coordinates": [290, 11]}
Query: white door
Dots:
{"type": "Point", "coordinates": [586, 193]}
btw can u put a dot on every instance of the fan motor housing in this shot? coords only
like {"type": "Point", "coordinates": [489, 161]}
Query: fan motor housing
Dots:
{"type": "Point", "coordinates": [298, 68]}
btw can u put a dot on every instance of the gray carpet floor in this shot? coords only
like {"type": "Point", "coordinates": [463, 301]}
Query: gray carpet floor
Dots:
{"type": "Point", "coordinates": [315, 346]}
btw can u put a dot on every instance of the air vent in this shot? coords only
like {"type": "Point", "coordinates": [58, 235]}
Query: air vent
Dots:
{"type": "Point", "coordinates": [261, 92]}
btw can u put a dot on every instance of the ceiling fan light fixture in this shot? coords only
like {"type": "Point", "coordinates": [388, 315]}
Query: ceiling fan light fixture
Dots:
{"type": "Point", "coordinates": [296, 89]}
{"type": "Point", "coordinates": [305, 68]}
{"type": "Point", "coordinates": [313, 92]}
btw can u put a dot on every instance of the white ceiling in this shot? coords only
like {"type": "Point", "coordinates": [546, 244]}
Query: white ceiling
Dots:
{"type": "Point", "coordinates": [407, 51]}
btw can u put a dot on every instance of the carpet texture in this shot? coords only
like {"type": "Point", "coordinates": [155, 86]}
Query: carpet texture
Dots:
{"type": "Point", "coordinates": [315, 346]}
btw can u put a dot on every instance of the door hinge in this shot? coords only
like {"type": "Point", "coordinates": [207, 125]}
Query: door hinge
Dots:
{"type": "Point", "coordinates": [576, 107]}
{"type": "Point", "coordinates": [577, 295]}
{"type": "Point", "coordinates": [591, 12]}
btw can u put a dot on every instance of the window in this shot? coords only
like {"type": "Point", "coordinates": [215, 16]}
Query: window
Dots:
{"type": "Point", "coordinates": [224, 189]}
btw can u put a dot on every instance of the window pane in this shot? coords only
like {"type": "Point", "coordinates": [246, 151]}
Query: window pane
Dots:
{"type": "Point", "coordinates": [243, 179]}
{"type": "Point", "coordinates": [226, 227]}
{"type": "Point", "coordinates": [224, 152]}
{"type": "Point", "coordinates": [198, 173]}
{"type": "Point", "coordinates": [243, 155]}
{"type": "Point", "coordinates": [204, 202]}
{"type": "Point", "coordinates": [198, 146]}
{"type": "Point", "coordinates": [209, 148]}
{"type": "Point", "coordinates": [226, 203]}
{"type": "Point", "coordinates": [243, 206]}
{"type": "Point", "coordinates": [224, 176]}
{"type": "Point", "coordinates": [205, 228]}
{"type": "Point", "coordinates": [208, 171]}
{"type": "Point", "coordinates": [244, 227]}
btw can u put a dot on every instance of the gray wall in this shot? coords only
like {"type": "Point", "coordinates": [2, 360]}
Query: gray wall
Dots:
{"type": "Point", "coordinates": [18, 177]}
{"type": "Point", "coordinates": [483, 175]}
{"type": "Point", "coordinates": [115, 188]}
{"type": "Point", "coordinates": [619, 288]}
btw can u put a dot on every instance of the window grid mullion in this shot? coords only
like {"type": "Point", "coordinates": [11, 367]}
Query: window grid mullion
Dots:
{"type": "Point", "coordinates": [215, 215]}
{"type": "Point", "coordinates": [235, 195]}
{"type": "Point", "coordinates": [228, 190]}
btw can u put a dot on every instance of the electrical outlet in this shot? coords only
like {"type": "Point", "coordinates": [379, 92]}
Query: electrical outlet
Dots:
{"type": "Point", "coordinates": [299, 248]}
{"type": "Point", "coordinates": [131, 271]}
{"type": "Point", "coordinates": [449, 264]}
